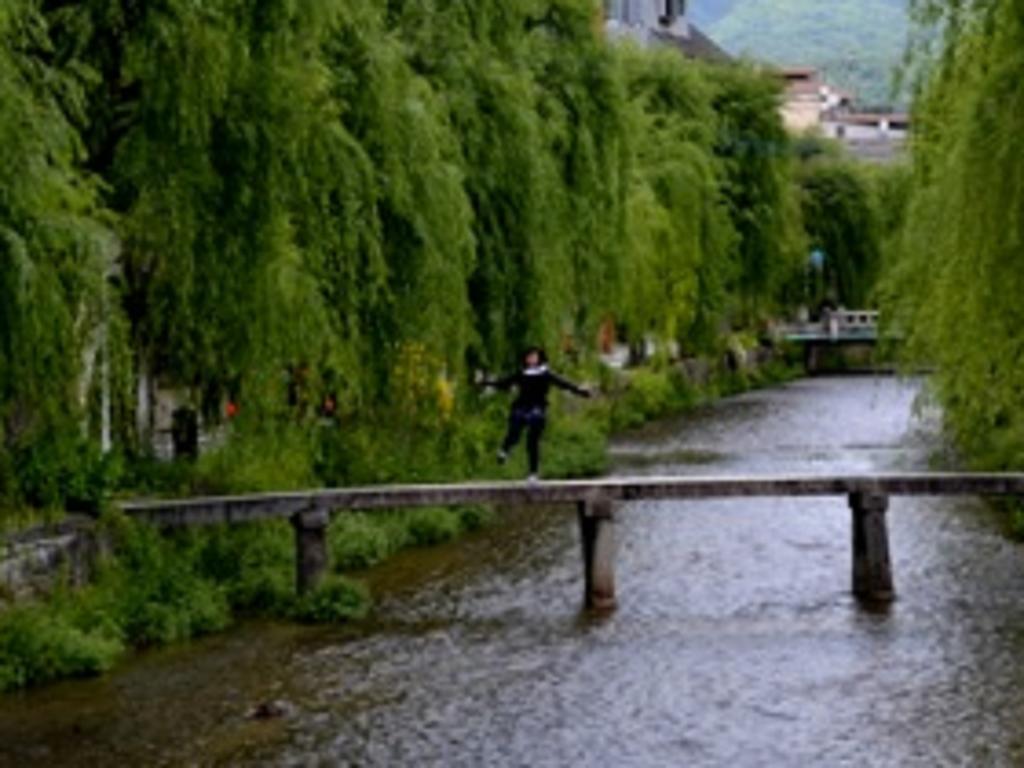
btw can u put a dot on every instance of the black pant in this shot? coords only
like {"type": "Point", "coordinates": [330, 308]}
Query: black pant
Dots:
{"type": "Point", "coordinates": [532, 420]}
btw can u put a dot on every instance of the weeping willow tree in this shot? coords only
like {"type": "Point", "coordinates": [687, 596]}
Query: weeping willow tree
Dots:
{"type": "Point", "coordinates": [537, 104]}
{"type": "Point", "coordinates": [270, 201]}
{"type": "Point", "coordinates": [959, 281]}
{"type": "Point", "coordinates": [759, 189]}
{"type": "Point", "coordinates": [232, 105]}
{"type": "Point", "coordinates": [54, 256]}
{"type": "Point", "coordinates": [415, 203]}
{"type": "Point", "coordinates": [680, 235]}
{"type": "Point", "coordinates": [841, 221]}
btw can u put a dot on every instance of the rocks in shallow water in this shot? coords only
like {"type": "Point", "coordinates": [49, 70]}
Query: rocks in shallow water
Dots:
{"type": "Point", "coordinates": [271, 710]}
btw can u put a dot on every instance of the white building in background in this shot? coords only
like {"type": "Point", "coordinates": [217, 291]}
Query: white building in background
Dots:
{"type": "Point", "coordinates": [873, 136]}
{"type": "Point", "coordinates": [867, 126]}
{"type": "Point", "coordinates": [812, 105]}
{"type": "Point", "coordinates": [808, 99]}
{"type": "Point", "coordinates": [660, 22]}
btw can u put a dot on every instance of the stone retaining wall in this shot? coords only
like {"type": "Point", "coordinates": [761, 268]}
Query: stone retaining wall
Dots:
{"type": "Point", "coordinates": [33, 561]}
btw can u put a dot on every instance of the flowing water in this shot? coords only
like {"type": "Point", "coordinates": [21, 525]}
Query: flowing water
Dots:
{"type": "Point", "coordinates": [736, 642]}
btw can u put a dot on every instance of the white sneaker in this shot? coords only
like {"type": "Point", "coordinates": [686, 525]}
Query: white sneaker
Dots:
{"type": "Point", "coordinates": [533, 478]}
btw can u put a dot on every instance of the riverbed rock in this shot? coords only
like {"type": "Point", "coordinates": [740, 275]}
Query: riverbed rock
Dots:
{"type": "Point", "coordinates": [271, 710]}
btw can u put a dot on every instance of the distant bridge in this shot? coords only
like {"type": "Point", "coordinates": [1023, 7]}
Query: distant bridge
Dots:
{"type": "Point", "coordinates": [310, 511]}
{"type": "Point", "coordinates": [843, 326]}
{"type": "Point", "coordinates": [845, 331]}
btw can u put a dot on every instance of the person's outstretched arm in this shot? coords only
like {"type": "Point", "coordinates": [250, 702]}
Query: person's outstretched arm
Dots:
{"type": "Point", "coordinates": [505, 382]}
{"type": "Point", "coordinates": [567, 385]}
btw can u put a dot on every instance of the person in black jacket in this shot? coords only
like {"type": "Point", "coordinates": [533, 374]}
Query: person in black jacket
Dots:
{"type": "Point", "coordinates": [529, 408]}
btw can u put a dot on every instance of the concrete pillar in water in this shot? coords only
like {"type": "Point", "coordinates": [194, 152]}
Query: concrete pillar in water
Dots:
{"type": "Point", "coordinates": [812, 358]}
{"type": "Point", "coordinates": [597, 534]}
{"type": "Point", "coordinates": [872, 570]}
{"type": "Point", "coordinates": [310, 548]}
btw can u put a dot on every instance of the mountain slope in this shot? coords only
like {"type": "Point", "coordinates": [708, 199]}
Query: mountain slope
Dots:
{"type": "Point", "coordinates": [707, 12]}
{"type": "Point", "coordinates": [858, 44]}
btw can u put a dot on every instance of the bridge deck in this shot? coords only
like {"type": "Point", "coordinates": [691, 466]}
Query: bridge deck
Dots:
{"type": "Point", "coordinates": [309, 512]}
{"type": "Point", "coordinates": [843, 337]}
{"type": "Point", "coordinates": [252, 507]}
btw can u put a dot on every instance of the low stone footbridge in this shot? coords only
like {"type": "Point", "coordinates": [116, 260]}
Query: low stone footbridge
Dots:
{"type": "Point", "coordinates": [596, 501]}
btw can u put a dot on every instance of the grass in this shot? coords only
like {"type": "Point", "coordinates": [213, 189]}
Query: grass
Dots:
{"type": "Point", "coordinates": [39, 644]}
{"type": "Point", "coordinates": [160, 589]}
{"type": "Point", "coordinates": [22, 518]}
{"type": "Point", "coordinates": [337, 599]}
{"type": "Point", "coordinates": [360, 540]}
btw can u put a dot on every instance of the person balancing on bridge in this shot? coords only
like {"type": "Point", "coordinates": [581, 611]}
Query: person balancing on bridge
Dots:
{"type": "Point", "coordinates": [529, 409]}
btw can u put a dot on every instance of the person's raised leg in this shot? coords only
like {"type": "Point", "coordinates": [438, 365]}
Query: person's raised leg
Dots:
{"type": "Point", "coordinates": [515, 431]}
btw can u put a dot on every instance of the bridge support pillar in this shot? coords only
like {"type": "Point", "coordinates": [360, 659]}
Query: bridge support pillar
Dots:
{"type": "Point", "coordinates": [597, 534]}
{"type": "Point", "coordinates": [310, 548]}
{"type": "Point", "coordinates": [872, 569]}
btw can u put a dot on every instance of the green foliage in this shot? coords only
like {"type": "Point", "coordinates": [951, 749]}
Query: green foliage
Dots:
{"type": "Point", "coordinates": [758, 176]}
{"type": "Point", "coordinates": [841, 217]}
{"type": "Point", "coordinates": [277, 201]}
{"type": "Point", "coordinates": [956, 288]}
{"type": "Point", "coordinates": [54, 256]}
{"type": "Point", "coordinates": [649, 394]}
{"type": "Point", "coordinates": [209, 199]}
{"type": "Point", "coordinates": [153, 593]}
{"type": "Point", "coordinates": [537, 105]}
{"type": "Point", "coordinates": [254, 564]}
{"type": "Point", "coordinates": [680, 237]}
{"type": "Point", "coordinates": [38, 645]}
{"type": "Point", "coordinates": [475, 517]}
{"type": "Point", "coordinates": [274, 201]}
{"type": "Point", "coordinates": [1016, 520]}
{"type": "Point", "coordinates": [261, 457]}
{"type": "Point", "coordinates": [576, 444]}
{"type": "Point", "coordinates": [433, 525]}
{"type": "Point", "coordinates": [157, 590]}
{"type": "Point", "coordinates": [336, 599]}
{"type": "Point", "coordinates": [358, 541]}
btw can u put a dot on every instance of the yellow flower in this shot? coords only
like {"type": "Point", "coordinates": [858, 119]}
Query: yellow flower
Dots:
{"type": "Point", "coordinates": [445, 397]}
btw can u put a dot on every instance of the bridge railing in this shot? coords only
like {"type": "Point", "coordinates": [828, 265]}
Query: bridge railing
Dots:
{"type": "Point", "coordinates": [596, 500]}
{"type": "Point", "coordinates": [837, 325]}
{"type": "Point", "coordinates": [856, 318]}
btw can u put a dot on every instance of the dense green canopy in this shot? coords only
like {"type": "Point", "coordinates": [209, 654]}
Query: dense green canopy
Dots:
{"type": "Point", "coordinates": [54, 252]}
{"type": "Point", "coordinates": [275, 200]}
{"type": "Point", "coordinates": [959, 282]}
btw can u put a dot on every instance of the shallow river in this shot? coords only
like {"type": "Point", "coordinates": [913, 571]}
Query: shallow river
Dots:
{"type": "Point", "coordinates": [736, 642]}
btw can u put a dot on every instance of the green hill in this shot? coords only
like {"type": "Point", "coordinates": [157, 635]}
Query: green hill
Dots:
{"type": "Point", "coordinates": [706, 12]}
{"type": "Point", "coordinates": [857, 44]}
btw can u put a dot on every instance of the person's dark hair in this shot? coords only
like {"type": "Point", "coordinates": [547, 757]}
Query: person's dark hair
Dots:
{"type": "Point", "coordinates": [541, 355]}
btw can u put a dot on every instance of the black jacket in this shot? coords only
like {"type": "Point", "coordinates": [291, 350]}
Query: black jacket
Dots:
{"type": "Point", "coordinates": [533, 385]}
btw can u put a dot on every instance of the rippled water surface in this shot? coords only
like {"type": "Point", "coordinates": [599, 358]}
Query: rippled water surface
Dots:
{"type": "Point", "coordinates": [736, 642]}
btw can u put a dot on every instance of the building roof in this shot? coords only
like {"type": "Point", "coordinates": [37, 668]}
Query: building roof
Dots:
{"type": "Point", "coordinates": [798, 73]}
{"type": "Point", "coordinates": [801, 88]}
{"type": "Point", "coordinates": [696, 45]}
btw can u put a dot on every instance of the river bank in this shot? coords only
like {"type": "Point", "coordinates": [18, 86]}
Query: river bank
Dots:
{"type": "Point", "coordinates": [160, 590]}
{"type": "Point", "coordinates": [736, 641]}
